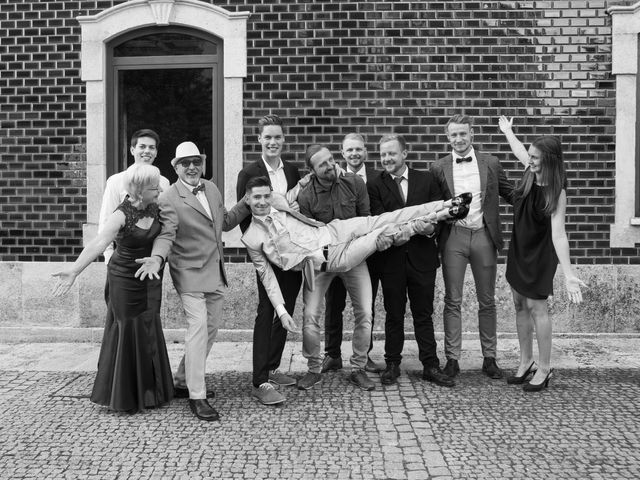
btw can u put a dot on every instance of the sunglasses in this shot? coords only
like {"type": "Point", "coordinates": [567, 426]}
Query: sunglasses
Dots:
{"type": "Point", "coordinates": [197, 162]}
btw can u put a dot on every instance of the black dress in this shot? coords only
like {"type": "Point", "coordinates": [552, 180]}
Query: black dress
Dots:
{"type": "Point", "coordinates": [532, 259]}
{"type": "Point", "coordinates": [133, 368]}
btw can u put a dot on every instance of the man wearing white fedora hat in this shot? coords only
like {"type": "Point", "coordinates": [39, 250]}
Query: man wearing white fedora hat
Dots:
{"type": "Point", "coordinates": [193, 218]}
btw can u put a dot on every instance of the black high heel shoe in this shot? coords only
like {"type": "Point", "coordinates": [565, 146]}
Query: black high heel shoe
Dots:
{"type": "Point", "coordinates": [529, 387]}
{"type": "Point", "coordinates": [462, 199]}
{"type": "Point", "coordinates": [513, 380]}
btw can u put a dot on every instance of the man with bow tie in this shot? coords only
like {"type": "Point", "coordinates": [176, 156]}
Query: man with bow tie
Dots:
{"type": "Point", "coordinates": [473, 240]}
{"type": "Point", "coordinates": [193, 218]}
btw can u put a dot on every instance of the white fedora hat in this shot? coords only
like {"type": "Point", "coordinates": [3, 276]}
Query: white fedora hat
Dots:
{"type": "Point", "coordinates": [187, 149]}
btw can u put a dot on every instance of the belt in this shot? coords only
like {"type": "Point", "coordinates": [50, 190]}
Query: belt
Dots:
{"type": "Point", "coordinates": [325, 254]}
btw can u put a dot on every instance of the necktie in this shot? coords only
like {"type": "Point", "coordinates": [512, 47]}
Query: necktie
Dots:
{"type": "Point", "coordinates": [399, 182]}
{"type": "Point", "coordinates": [463, 159]}
{"type": "Point", "coordinates": [199, 188]}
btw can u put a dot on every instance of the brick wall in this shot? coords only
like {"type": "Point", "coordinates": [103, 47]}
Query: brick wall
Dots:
{"type": "Point", "coordinates": [330, 67]}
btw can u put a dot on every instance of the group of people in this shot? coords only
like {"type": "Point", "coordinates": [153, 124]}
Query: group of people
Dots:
{"type": "Point", "coordinates": [332, 232]}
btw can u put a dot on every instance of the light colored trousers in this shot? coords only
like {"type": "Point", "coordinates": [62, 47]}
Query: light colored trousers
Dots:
{"type": "Point", "coordinates": [472, 247]}
{"type": "Point", "coordinates": [358, 284]}
{"type": "Point", "coordinates": [354, 239]}
{"type": "Point", "coordinates": [204, 313]}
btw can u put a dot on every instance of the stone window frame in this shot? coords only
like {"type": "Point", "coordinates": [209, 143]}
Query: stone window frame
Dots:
{"type": "Point", "coordinates": [98, 30]}
{"type": "Point", "coordinates": [625, 30]}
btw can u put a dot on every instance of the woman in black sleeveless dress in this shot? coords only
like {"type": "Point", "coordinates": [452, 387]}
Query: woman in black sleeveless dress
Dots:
{"type": "Point", "coordinates": [133, 368]}
{"type": "Point", "coordinates": [538, 243]}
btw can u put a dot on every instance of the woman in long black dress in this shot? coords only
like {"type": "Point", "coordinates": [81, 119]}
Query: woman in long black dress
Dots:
{"type": "Point", "coordinates": [538, 243]}
{"type": "Point", "coordinates": [133, 368]}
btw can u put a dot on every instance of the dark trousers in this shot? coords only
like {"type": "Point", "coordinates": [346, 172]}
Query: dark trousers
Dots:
{"type": "Point", "coordinates": [419, 286]}
{"type": "Point", "coordinates": [269, 336]}
{"type": "Point", "coordinates": [336, 300]}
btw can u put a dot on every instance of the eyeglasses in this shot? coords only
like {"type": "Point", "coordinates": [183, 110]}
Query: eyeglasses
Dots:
{"type": "Point", "coordinates": [197, 162]}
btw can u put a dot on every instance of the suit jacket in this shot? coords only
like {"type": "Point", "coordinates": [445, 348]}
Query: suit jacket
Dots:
{"type": "Point", "coordinates": [493, 183]}
{"type": "Point", "coordinates": [258, 169]}
{"type": "Point", "coordinates": [384, 196]}
{"type": "Point", "coordinates": [193, 241]}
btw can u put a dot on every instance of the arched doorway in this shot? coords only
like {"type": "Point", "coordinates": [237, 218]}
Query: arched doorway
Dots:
{"type": "Point", "coordinates": [168, 79]}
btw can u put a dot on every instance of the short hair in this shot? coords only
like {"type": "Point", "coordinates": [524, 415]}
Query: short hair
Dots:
{"type": "Point", "coordinates": [255, 182]}
{"type": "Point", "coordinates": [459, 118]}
{"type": "Point", "coordinates": [391, 137]}
{"type": "Point", "coordinates": [353, 136]}
{"type": "Point", "coordinates": [311, 151]}
{"type": "Point", "coordinates": [138, 176]}
{"type": "Point", "coordinates": [271, 119]}
{"type": "Point", "coordinates": [145, 132]}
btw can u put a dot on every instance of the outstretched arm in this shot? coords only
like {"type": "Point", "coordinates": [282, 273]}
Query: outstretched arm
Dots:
{"type": "Point", "coordinates": [518, 149]}
{"type": "Point", "coordinates": [67, 277]}
{"type": "Point", "coordinates": [561, 246]}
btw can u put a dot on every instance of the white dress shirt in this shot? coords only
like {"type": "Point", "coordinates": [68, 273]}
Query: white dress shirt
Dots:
{"type": "Point", "coordinates": [202, 198]}
{"type": "Point", "coordinates": [466, 178]}
{"type": "Point", "coordinates": [404, 183]}
{"type": "Point", "coordinates": [362, 172]}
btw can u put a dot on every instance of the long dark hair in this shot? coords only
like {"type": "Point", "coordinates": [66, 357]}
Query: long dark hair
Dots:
{"type": "Point", "coordinates": [552, 173]}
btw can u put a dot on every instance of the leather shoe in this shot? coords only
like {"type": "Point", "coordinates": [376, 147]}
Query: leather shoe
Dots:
{"type": "Point", "coordinates": [458, 212]}
{"type": "Point", "coordinates": [452, 368]}
{"type": "Point", "coordinates": [202, 410]}
{"type": "Point", "coordinates": [462, 199]}
{"type": "Point", "coordinates": [434, 375]}
{"type": "Point", "coordinates": [181, 392]}
{"type": "Point", "coordinates": [390, 374]}
{"type": "Point", "coordinates": [330, 363]}
{"type": "Point", "coordinates": [490, 368]}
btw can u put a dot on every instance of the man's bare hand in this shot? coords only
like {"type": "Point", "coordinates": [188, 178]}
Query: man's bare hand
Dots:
{"type": "Point", "coordinates": [423, 227]}
{"type": "Point", "coordinates": [150, 267]}
{"type": "Point", "coordinates": [402, 236]}
{"type": "Point", "coordinates": [383, 242]}
{"type": "Point", "coordinates": [304, 181]}
{"type": "Point", "coordinates": [288, 323]}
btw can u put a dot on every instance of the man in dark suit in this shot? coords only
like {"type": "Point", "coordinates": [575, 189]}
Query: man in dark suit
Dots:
{"type": "Point", "coordinates": [474, 240]}
{"type": "Point", "coordinates": [269, 337]}
{"type": "Point", "coordinates": [354, 153]}
{"type": "Point", "coordinates": [409, 268]}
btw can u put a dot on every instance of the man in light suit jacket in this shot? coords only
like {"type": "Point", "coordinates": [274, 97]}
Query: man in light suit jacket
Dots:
{"type": "Point", "coordinates": [193, 218]}
{"type": "Point", "coordinates": [408, 269]}
{"type": "Point", "coordinates": [473, 240]}
{"type": "Point", "coordinates": [269, 337]}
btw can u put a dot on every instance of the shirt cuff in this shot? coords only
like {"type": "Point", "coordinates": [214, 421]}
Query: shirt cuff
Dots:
{"type": "Point", "coordinates": [280, 310]}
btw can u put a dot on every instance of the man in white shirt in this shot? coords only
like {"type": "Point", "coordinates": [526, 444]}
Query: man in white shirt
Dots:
{"type": "Point", "coordinates": [474, 240]}
{"type": "Point", "coordinates": [144, 148]}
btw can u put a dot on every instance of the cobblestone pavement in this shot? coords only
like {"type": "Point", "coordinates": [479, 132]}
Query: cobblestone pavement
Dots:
{"type": "Point", "coordinates": [585, 426]}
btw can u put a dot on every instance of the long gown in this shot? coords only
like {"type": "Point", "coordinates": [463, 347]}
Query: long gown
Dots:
{"type": "Point", "coordinates": [133, 368]}
{"type": "Point", "coordinates": [532, 259]}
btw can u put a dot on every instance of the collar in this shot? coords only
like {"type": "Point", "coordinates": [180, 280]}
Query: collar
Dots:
{"type": "Point", "coordinates": [362, 171]}
{"type": "Point", "coordinates": [262, 218]}
{"type": "Point", "coordinates": [269, 169]}
{"type": "Point", "coordinates": [404, 175]}
{"type": "Point", "coordinates": [471, 153]}
{"type": "Point", "coordinates": [187, 186]}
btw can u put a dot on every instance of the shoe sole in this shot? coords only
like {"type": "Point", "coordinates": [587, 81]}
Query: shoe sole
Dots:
{"type": "Point", "coordinates": [273, 382]}
{"type": "Point", "coordinates": [495, 376]}
{"type": "Point", "coordinates": [300, 387]}
{"type": "Point", "coordinates": [330, 370]}
{"type": "Point", "coordinates": [276, 402]}
{"type": "Point", "coordinates": [440, 384]}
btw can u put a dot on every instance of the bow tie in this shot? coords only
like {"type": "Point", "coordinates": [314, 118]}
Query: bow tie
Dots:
{"type": "Point", "coordinates": [463, 159]}
{"type": "Point", "coordinates": [199, 188]}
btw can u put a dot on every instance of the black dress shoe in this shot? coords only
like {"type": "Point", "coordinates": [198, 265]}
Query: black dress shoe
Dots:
{"type": "Point", "coordinates": [203, 410]}
{"type": "Point", "coordinates": [434, 375]}
{"type": "Point", "coordinates": [490, 368]}
{"type": "Point", "coordinates": [462, 199]}
{"type": "Point", "coordinates": [458, 212]}
{"type": "Point", "coordinates": [180, 392]}
{"type": "Point", "coordinates": [390, 374]}
{"type": "Point", "coordinates": [513, 380]}
{"type": "Point", "coordinates": [452, 368]}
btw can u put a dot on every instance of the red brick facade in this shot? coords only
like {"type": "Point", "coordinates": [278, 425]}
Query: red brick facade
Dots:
{"type": "Point", "coordinates": [328, 68]}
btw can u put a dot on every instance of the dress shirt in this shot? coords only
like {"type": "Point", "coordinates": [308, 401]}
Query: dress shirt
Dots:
{"type": "Point", "coordinates": [404, 184]}
{"type": "Point", "coordinates": [114, 194]}
{"type": "Point", "coordinates": [202, 198]}
{"type": "Point", "coordinates": [362, 172]}
{"type": "Point", "coordinates": [466, 178]}
{"type": "Point", "coordinates": [279, 181]}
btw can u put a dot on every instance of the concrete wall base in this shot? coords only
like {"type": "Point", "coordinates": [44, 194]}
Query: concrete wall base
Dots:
{"type": "Point", "coordinates": [27, 308]}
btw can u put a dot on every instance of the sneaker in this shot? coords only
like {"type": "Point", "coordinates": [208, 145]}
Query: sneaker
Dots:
{"type": "Point", "coordinates": [359, 379]}
{"type": "Point", "coordinates": [309, 380]}
{"type": "Point", "coordinates": [279, 378]}
{"type": "Point", "coordinates": [452, 368]}
{"type": "Point", "coordinates": [390, 374]}
{"type": "Point", "coordinates": [490, 368]}
{"type": "Point", "coordinates": [372, 366]}
{"type": "Point", "coordinates": [330, 363]}
{"type": "Point", "coordinates": [267, 395]}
